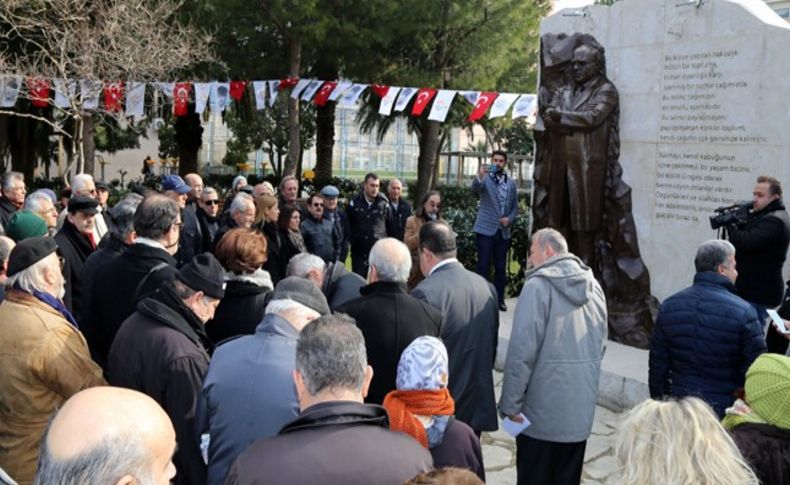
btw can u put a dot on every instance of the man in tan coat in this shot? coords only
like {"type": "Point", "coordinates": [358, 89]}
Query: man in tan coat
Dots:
{"type": "Point", "coordinates": [43, 356]}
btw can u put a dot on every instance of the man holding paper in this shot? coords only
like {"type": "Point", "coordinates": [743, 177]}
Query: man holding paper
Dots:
{"type": "Point", "coordinates": [553, 362]}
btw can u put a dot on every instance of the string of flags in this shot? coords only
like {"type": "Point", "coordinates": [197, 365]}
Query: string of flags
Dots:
{"type": "Point", "coordinates": [129, 97]}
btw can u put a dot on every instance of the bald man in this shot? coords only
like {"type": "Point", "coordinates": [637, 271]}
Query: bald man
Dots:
{"type": "Point", "coordinates": [108, 436]}
{"type": "Point", "coordinates": [195, 183]}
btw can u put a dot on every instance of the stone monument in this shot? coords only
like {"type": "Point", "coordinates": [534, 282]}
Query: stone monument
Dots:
{"type": "Point", "coordinates": [704, 97]}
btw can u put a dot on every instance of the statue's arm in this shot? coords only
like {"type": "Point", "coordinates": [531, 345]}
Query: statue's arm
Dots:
{"type": "Point", "coordinates": [593, 113]}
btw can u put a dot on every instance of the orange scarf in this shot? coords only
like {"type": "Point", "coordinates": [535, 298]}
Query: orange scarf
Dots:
{"type": "Point", "coordinates": [403, 405]}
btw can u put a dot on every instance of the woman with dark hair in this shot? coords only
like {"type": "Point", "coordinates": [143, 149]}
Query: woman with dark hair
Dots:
{"type": "Point", "coordinates": [290, 234]}
{"type": "Point", "coordinates": [242, 252]}
{"type": "Point", "coordinates": [428, 210]}
{"type": "Point", "coordinates": [267, 212]}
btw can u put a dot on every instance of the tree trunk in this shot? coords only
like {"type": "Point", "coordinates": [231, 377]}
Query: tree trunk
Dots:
{"type": "Point", "coordinates": [189, 137]}
{"type": "Point", "coordinates": [324, 142]}
{"type": "Point", "coordinates": [21, 146]}
{"type": "Point", "coordinates": [429, 144]}
{"type": "Point", "coordinates": [294, 133]}
{"type": "Point", "coordinates": [88, 143]}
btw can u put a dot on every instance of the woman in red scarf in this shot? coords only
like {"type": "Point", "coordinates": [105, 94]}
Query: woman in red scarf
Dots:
{"type": "Point", "coordinates": [423, 408]}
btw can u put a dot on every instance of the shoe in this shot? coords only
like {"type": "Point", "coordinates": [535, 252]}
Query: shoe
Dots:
{"type": "Point", "coordinates": [502, 307]}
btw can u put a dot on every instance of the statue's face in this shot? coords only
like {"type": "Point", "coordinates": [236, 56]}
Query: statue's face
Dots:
{"type": "Point", "coordinates": [585, 64]}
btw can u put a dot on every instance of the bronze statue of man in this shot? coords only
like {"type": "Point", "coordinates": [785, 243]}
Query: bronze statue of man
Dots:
{"type": "Point", "coordinates": [579, 121]}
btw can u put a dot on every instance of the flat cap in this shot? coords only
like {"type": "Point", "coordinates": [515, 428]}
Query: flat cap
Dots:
{"type": "Point", "coordinates": [81, 203]}
{"type": "Point", "coordinates": [330, 191]}
{"type": "Point", "coordinates": [29, 252]}
{"type": "Point", "coordinates": [302, 291]}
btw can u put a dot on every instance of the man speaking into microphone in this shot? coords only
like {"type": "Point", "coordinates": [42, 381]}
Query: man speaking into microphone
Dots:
{"type": "Point", "coordinates": [760, 250]}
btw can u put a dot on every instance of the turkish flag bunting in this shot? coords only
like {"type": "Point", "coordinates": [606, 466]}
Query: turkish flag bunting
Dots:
{"type": "Point", "coordinates": [484, 101]}
{"type": "Point", "coordinates": [181, 98]}
{"type": "Point", "coordinates": [113, 92]}
{"type": "Point", "coordinates": [379, 89]}
{"type": "Point", "coordinates": [288, 82]}
{"type": "Point", "coordinates": [323, 94]}
{"type": "Point", "coordinates": [424, 96]}
{"type": "Point", "coordinates": [237, 89]}
{"type": "Point", "coordinates": [39, 92]}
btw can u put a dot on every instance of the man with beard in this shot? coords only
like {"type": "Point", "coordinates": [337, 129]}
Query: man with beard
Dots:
{"type": "Point", "coordinates": [76, 241]}
{"type": "Point", "coordinates": [43, 357]}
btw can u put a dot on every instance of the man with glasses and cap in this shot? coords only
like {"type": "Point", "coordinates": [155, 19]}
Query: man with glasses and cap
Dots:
{"type": "Point", "coordinates": [77, 240]}
{"type": "Point", "coordinates": [339, 219]}
{"type": "Point", "coordinates": [319, 233]}
{"type": "Point", "coordinates": [83, 184]}
{"type": "Point", "coordinates": [191, 240]}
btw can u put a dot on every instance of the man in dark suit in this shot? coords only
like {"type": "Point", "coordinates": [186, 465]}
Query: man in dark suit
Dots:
{"type": "Point", "coordinates": [76, 241]}
{"type": "Point", "coordinates": [468, 304]}
{"type": "Point", "coordinates": [390, 318]}
{"type": "Point", "coordinates": [122, 282]}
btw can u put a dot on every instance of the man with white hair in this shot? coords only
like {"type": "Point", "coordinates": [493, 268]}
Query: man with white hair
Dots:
{"type": "Point", "coordinates": [338, 284]}
{"type": "Point", "coordinates": [390, 318]}
{"type": "Point", "coordinates": [41, 204]}
{"type": "Point", "coordinates": [43, 357]}
{"type": "Point", "coordinates": [553, 362]}
{"type": "Point", "coordinates": [13, 197]}
{"type": "Point", "coordinates": [6, 245]}
{"type": "Point", "coordinates": [130, 441]}
{"type": "Point", "coordinates": [83, 185]}
{"type": "Point", "coordinates": [242, 214]}
{"type": "Point", "coordinates": [248, 392]}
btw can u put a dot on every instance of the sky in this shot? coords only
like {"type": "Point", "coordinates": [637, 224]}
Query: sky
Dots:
{"type": "Point", "coordinates": [560, 4]}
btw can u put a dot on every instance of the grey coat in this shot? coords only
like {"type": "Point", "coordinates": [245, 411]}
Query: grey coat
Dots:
{"type": "Point", "coordinates": [555, 352]}
{"type": "Point", "coordinates": [468, 304]}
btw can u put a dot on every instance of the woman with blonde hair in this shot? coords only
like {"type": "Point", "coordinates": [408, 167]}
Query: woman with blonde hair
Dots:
{"type": "Point", "coordinates": [679, 442]}
{"type": "Point", "coordinates": [267, 212]}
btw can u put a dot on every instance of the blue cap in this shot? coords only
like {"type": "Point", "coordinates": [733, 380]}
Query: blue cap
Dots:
{"type": "Point", "coordinates": [175, 183]}
{"type": "Point", "coordinates": [330, 191]}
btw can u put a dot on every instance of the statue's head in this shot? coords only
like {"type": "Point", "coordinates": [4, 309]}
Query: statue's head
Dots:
{"type": "Point", "coordinates": [587, 63]}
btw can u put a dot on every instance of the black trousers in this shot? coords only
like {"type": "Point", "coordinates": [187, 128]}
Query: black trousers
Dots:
{"type": "Point", "coordinates": [541, 462]}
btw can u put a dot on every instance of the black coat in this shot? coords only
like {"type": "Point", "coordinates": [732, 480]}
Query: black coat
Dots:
{"type": "Point", "coordinates": [242, 307]}
{"type": "Point", "coordinates": [368, 223]}
{"type": "Point", "coordinates": [397, 223]}
{"type": "Point", "coordinates": [460, 447]}
{"type": "Point", "coordinates": [293, 244]}
{"type": "Point", "coordinates": [75, 249]}
{"type": "Point", "coordinates": [190, 242]}
{"type": "Point", "coordinates": [223, 228]}
{"type": "Point", "coordinates": [390, 319]}
{"type": "Point", "coordinates": [162, 350]}
{"type": "Point", "coordinates": [333, 443]}
{"type": "Point", "coordinates": [276, 262]}
{"type": "Point", "coordinates": [114, 286]}
{"type": "Point", "coordinates": [767, 449]}
{"type": "Point", "coordinates": [760, 251]}
{"type": "Point", "coordinates": [110, 247]}
{"type": "Point", "coordinates": [7, 209]}
{"type": "Point", "coordinates": [341, 286]}
{"type": "Point", "coordinates": [208, 230]}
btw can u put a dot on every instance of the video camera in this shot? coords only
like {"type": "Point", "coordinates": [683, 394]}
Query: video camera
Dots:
{"type": "Point", "coordinates": [737, 213]}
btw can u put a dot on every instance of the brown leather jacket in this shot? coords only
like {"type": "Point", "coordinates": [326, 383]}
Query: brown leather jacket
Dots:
{"type": "Point", "coordinates": [44, 361]}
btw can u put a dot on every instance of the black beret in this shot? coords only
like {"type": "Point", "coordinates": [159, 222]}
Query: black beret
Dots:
{"type": "Point", "coordinates": [29, 252]}
{"type": "Point", "coordinates": [204, 273]}
{"type": "Point", "coordinates": [81, 203]}
{"type": "Point", "coordinates": [302, 291]}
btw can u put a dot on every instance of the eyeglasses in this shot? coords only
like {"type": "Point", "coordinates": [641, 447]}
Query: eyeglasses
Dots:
{"type": "Point", "coordinates": [211, 202]}
{"type": "Point", "coordinates": [318, 205]}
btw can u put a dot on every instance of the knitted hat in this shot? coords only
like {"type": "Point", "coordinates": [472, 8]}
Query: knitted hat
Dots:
{"type": "Point", "coordinates": [768, 389]}
{"type": "Point", "coordinates": [204, 273]}
{"type": "Point", "coordinates": [29, 252]}
{"type": "Point", "coordinates": [302, 291]}
{"type": "Point", "coordinates": [25, 224]}
{"type": "Point", "coordinates": [423, 365]}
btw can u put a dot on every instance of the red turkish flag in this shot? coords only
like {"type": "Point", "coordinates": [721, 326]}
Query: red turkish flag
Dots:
{"type": "Point", "coordinates": [113, 92]}
{"type": "Point", "coordinates": [39, 92]}
{"type": "Point", "coordinates": [379, 89]}
{"type": "Point", "coordinates": [424, 96]}
{"type": "Point", "coordinates": [323, 94]}
{"type": "Point", "coordinates": [181, 98]}
{"type": "Point", "coordinates": [237, 89]}
{"type": "Point", "coordinates": [288, 82]}
{"type": "Point", "coordinates": [484, 101]}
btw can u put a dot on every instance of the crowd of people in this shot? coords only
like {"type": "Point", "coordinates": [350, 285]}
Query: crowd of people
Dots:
{"type": "Point", "coordinates": [178, 336]}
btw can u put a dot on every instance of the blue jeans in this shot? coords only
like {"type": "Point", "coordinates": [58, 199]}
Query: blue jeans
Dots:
{"type": "Point", "coordinates": [493, 247]}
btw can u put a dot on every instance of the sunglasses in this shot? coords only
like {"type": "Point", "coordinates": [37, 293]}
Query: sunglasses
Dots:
{"type": "Point", "coordinates": [318, 205]}
{"type": "Point", "coordinates": [211, 202]}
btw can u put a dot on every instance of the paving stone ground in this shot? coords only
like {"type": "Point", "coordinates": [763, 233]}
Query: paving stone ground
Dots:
{"type": "Point", "coordinates": [499, 450]}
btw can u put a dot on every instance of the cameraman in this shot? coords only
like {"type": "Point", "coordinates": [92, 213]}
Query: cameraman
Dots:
{"type": "Point", "coordinates": [760, 250]}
